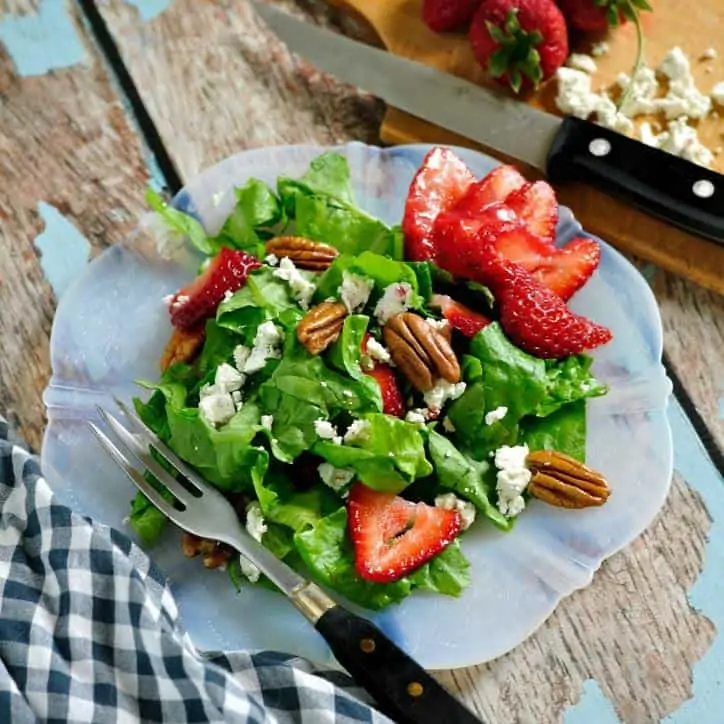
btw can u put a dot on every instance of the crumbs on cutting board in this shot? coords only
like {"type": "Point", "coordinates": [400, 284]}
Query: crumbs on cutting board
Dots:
{"type": "Point", "coordinates": [661, 106]}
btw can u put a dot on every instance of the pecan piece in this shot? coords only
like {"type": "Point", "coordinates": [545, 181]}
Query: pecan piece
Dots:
{"type": "Point", "coordinates": [422, 353]}
{"type": "Point", "coordinates": [563, 481]}
{"type": "Point", "coordinates": [213, 554]}
{"type": "Point", "coordinates": [182, 347]}
{"type": "Point", "coordinates": [321, 326]}
{"type": "Point", "coordinates": [305, 253]}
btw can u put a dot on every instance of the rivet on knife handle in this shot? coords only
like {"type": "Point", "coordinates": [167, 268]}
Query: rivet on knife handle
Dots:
{"type": "Point", "coordinates": [678, 191]}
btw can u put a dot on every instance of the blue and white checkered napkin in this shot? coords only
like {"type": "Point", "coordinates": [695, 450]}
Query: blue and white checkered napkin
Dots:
{"type": "Point", "coordinates": [89, 631]}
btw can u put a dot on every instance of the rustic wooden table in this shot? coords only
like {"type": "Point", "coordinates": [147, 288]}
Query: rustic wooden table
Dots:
{"type": "Point", "coordinates": [99, 99]}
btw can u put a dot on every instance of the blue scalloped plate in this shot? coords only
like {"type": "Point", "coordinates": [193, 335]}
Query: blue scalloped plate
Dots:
{"type": "Point", "coordinates": [111, 327]}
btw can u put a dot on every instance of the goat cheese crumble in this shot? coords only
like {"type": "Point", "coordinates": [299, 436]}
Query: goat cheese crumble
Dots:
{"type": "Point", "coordinates": [335, 478]}
{"type": "Point", "coordinates": [302, 289]}
{"type": "Point", "coordinates": [396, 299]}
{"type": "Point", "coordinates": [355, 291]}
{"type": "Point", "coordinates": [512, 478]}
{"type": "Point", "coordinates": [442, 392]}
{"type": "Point", "coordinates": [466, 510]}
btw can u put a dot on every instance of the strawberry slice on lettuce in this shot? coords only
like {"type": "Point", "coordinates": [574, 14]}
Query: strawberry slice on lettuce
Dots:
{"type": "Point", "coordinates": [393, 536]}
{"type": "Point", "coordinates": [199, 299]}
{"type": "Point", "coordinates": [460, 317]}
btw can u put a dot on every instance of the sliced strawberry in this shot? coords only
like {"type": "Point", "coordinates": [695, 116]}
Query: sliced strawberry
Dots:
{"type": "Point", "coordinates": [534, 318]}
{"type": "Point", "coordinates": [199, 299]}
{"type": "Point", "coordinates": [571, 268]}
{"type": "Point", "coordinates": [535, 204]}
{"type": "Point", "coordinates": [496, 187]}
{"type": "Point", "coordinates": [456, 229]}
{"type": "Point", "coordinates": [564, 271]}
{"type": "Point", "coordinates": [384, 375]}
{"type": "Point", "coordinates": [459, 316]}
{"type": "Point", "coordinates": [393, 536]}
{"type": "Point", "coordinates": [439, 183]}
{"type": "Point", "coordinates": [445, 15]}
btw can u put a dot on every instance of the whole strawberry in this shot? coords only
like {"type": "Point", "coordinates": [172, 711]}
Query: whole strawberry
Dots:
{"type": "Point", "coordinates": [445, 15]}
{"type": "Point", "coordinates": [592, 15]}
{"type": "Point", "coordinates": [519, 42]}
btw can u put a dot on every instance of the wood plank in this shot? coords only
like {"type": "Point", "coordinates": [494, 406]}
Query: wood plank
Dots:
{"type": "Point", "coordinates": [78, 160]}
{"type": "Point", "coordinates": [216, 81]}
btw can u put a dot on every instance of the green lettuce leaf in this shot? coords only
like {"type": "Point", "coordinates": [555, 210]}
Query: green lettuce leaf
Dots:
{"type": "Point", "coordinates": [467, 478]}
{"type": "Point", "coordinates": [218, 348]}
{"type": "Point", "coordinates": [381, 270]}
{"type": "Point", "coordinates": [388, 458]}
{"type": "Point", "coordinates": [447, 573]}
{"type": "Point", "coordinates": [257, 210]}
{"type": "Point", "coordinates": [182, 223]}
{"type": "Point", "coordinates": [563, 430]}
{"type": "Point", "coordinates": [328, 554]}
{"type": "Point", "coordinates": [146, 519]}
{"type": "Point", "coordinates": [569, 380]}
{"type": "Point", "coordinates": [262, 297]}
{"type": "Point", "coordinates": [328, 175]}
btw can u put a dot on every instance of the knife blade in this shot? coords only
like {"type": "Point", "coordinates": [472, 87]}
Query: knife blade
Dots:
{"type": "Point", "coordinates": [682, 193]}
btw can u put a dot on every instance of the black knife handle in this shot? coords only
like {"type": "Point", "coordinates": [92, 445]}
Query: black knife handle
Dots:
{"type": "Point", "coordinates": [678, 191]}
{"type": "Point", "coordinates": [403, 690]}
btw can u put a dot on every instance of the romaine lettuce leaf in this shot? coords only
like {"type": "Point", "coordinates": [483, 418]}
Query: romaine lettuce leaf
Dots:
{"type": "Point", "coordinates": [182, 223]}
{"type": "Point", "coordinates": [569, 380]}
{"type": "Point", "coordinates": [328, 175]}
{"type": "Point", "coordinates": [262, 297]}
{"type": "Point", "coordinates": [563, 430]}
{"type": "Point", "coordinates": [447, 573]}
{"type": "Point", "coordinates": [389, 457]}
{"type": "Point", "coordinates": [257, 210]}
{"type": "Point", "coordinates": [467, 478]}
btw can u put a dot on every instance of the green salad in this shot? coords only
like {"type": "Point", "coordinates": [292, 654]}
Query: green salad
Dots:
{"type": "Point", "coordinates": [287, 433]}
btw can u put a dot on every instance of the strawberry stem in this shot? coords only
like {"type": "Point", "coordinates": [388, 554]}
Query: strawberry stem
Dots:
{"type": "Point", "coordinates": [638, 63]}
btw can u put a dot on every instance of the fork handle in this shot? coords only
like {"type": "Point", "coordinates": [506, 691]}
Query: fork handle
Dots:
{"type": "Point", "coordinates": [403, 690]}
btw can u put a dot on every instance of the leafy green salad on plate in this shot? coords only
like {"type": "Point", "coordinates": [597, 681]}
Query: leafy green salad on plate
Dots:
{"type": "Point", "coordinates": [364, 394]}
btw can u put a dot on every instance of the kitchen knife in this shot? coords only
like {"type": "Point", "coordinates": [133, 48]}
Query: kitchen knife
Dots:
{"type": "Point", "coordinates": [569, 149]}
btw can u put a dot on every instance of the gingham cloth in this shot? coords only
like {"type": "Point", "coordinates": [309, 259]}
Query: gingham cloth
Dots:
{"type": "Point", "coordinates": [89, 631]}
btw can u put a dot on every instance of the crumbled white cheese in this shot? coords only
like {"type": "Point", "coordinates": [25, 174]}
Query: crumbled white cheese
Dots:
{"type": "Point", "coordinates": [335, 478]}
{"type": "Point", "coordinates": [217, 408]}
{"type": "Point", "coordinates": [227, 378]}
{"type": "Point", "coordinates": [236, 397]}
{"type": "Point", "coordinates": [496, 415]}
{"type": "Point", "coordinates": [241, 355]}
{"type": "Point", "coordinates": [581, 61]}
{"type": "Point", "coordinates": [439, 325]}
{"type": "Point", "coordinates": [355, 291]}
{"type": "Point", "coordinates": [717, 93]}
{"type": "Point", "coordinates": [271, 259]}
{"type": "Point", "coordinates": [683, 140]}
{"type": "Point", "coordinates": [640, 92]}
{"type": "Point", "coordinates": [442, 392]}
{"type": "Point", "coordinates": [207, 391]}
{"type": "Point", "coordinates": [302, 289]}
{"type": "Point", "coordinates": [249, 569]}
{"type": "Point", "coordinates": [709, 54]}
{"type": "Point", "coordinates": [447, 425]}
{"type": "Point", "coordinates": [255, 524]}
{"type": "Point", "coordinates": [358, 431]}
{"type": "Point", "coordinates": [417, 416]}
{"type": "Point", "coordinates": [575, 97]}
{"type": "Point", "coordinates": [466, 510]}
{"type": "Point", "coordinates": [180, 300]}
{"type": "Point", "coordinates": [396, 298]}
{"type": "Point", "coordinates": [599, 49]}
{"type": "Point", "coordinates": [228, 294]}
{"type": "Point", "coordinates": [512, 479]}
{"type": "Point", "coordinates": [377, 351]}
{"type": "Point", "coordinates": [327, 431]}
{"type": "Point", "coordinates": [267, 421]}
{"type": "Point", "coordinates": [266, 346]}
{"type": "Point", "coordinates": [168, 299]}
{"type": "Point", "coordinates": [683, 97]}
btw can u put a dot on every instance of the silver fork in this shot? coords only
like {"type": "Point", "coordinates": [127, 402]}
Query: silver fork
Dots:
{"type": "Point", "coordinates": [401, 687]}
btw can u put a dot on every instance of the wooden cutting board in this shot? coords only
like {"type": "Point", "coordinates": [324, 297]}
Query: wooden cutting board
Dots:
{"type": "Point", "coordinates": [694, 26]}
